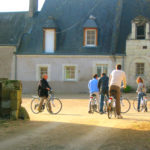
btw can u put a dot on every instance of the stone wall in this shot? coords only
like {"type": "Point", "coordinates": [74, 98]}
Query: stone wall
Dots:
{"type": "Point", "coordinates": [10, 98]}
{"type": "Point", "coordinates": [86, 66]}
{"type": "Point", "coordinates": [136, 53]}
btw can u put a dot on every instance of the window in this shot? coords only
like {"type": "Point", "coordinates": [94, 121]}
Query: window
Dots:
{"type": "Point", "coordinates": [101, 69]}
{"type": "Point", "coordinates": [139, 69]}
{"type": "Point", "coordinates": [141, 32]}
{"type": "Point", "coordinates": [90, 37]}
{"type": "Point", "coordinates": [42, 69]}
{"type": "Point", "coordinates": [49, 40]}
{"type": "Point", "coordinates": [70, 73]}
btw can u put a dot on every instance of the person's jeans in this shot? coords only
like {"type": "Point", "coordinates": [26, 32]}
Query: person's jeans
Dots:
{"type": "Point", "coordinates": [140, 96]}
{"type": "Point", "coordinates": [103, 93]}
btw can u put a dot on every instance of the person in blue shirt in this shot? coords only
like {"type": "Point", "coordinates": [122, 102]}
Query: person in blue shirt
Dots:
{"type": "Point", "coordinates": [93, 89]}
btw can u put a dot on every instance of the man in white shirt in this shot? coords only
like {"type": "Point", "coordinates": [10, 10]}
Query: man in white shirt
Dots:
{"type": "Point", "coordinates": [116, 78]}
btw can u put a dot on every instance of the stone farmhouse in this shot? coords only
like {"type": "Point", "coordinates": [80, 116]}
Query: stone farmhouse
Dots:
{"type": "Point", "coordinates": [70, 40]}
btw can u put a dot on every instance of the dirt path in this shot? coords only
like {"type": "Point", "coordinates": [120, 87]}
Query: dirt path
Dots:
{"type": "Point", "coordinates": [75, 129]}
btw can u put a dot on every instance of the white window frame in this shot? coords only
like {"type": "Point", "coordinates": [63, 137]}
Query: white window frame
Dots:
{"type": "Point", "coordinates": [102, 65]}
{"type": "Point", "coordinates": [38, 66]}
{"type": "Point", "coordinates": [54, 42]}
{"type": "Point", "coordinates": [136, 69]}
{"type": "Point", "coordinates": [90, 45]}
{"type": "Point", "coordinates": [76, 72]}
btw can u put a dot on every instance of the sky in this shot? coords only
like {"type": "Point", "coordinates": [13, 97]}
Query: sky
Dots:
{"type": "Point", "coordinates": [17, 5]}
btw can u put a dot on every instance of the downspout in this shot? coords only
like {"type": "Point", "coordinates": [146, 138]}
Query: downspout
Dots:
{"type": "Point", "coordinates": [15, 66]}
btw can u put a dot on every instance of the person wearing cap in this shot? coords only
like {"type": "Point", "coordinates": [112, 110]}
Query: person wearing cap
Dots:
{"type": "Point", "coordinates": [43, 89]}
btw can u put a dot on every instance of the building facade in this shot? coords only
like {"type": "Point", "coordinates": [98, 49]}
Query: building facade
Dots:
{"type": "Point", "coordinates": [72, 40]}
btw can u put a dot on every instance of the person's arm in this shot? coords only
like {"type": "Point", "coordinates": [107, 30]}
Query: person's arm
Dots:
{"type": "Point", "coordinates": [48, 86]}
{"type": "Point", "coordinates": [110, 77]}
{"type": "Point", "coordinates": [89, 85]}
{"type": "Point", "coordinates": [124, 80]}
{"type": "Point", "coordinates": [107, 81]}
{"type": "Point", "coordinates": [99, 83]}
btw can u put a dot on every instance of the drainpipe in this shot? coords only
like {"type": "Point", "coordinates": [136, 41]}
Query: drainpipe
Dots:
{"type": "Point", "coordinates": [15, 66]}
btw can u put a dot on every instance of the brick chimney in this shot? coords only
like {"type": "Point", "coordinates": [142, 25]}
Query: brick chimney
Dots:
{"type": "Point", "coordinates": [33, 7]}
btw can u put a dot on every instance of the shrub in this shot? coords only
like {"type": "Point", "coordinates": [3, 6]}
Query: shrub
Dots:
{"type": "Point", "coordinates": [128, 89]}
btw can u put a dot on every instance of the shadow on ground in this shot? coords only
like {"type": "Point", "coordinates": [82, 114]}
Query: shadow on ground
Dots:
{"type": "Point", "coordinates": [67, 136]}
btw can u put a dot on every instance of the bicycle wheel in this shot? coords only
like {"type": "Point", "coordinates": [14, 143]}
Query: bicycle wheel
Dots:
{"type": "Point", "coordinates": [56, 106]}
{"type": "Point", "coordinates": [35, 105]}
{"type": "Point", "coordinates": [148, 105]}
{"type": "Point", "coordinates": [135, 105]}
{"type": "Point", "coordinates": [125, 105]}
{"type": "Point", "coordinates": [115, 113]}
{"type": "Point", "coordinates": [109, 112]}
{"type": "Point", "coordinates": [105, 108]}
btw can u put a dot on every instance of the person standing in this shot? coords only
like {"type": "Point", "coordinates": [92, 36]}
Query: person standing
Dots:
{"type": "Point", "coordinates": [141, 90]}
{"type": "Point", "coordinates": [116, 78]}
{"type": "Point", "coordinates": [103, 88]}
{"type": "Point", "coordinates": [43, 89]}
{"type": "Point", "coordinates": [93, 89]}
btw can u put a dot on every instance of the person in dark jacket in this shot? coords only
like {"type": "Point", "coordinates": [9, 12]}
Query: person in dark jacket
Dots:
{"type": "Point", "coordinates": [103, 85]}
{"type": "Point", "coordinates": [43, 89]}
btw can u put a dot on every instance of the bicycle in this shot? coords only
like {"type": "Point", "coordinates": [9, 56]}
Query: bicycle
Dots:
{"type": "Point", "coordinates": [55, 103]}
{"type": "Point", "coordinates": [111, 107]}
{"type": "Point", "coordinates": [93, 103]}
{"type": "Point", "coordinates": [124, 103]}
{"type": "Point", "coordinates": [143, 105]}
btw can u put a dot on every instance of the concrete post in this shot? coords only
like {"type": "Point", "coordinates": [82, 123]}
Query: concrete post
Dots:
{"type": "Point", "coordinates": [147, 31]}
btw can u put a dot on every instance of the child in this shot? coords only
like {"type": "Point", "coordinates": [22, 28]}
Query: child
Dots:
{"type": "Point", "coordinates": [141, 90]}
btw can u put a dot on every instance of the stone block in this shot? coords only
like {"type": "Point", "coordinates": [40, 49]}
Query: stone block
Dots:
{"type": "Point", "coordinates": [5, 113]}
{"type": "Point", "coordinates": [23, 114]}
{"type": "Point", "coordinates": [15, 97]}
{"type": "Point", "coordinates": [16, 84]}
{"type": "Point", "coordinates": [14, 115]}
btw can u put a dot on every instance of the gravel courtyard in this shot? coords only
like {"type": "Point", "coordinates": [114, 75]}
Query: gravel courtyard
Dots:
{"type": "Point", "coordinates": [74, 129]}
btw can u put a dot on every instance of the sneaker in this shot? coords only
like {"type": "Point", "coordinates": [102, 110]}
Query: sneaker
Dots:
{"type": "Point", "coordinates": [90, 112]}
{"type": "Point", "coordinates": [119, 117]}
{"type": "Point", "coordinates": [101, 112]}
{"type": "Point", "coordinates": [138, 110]}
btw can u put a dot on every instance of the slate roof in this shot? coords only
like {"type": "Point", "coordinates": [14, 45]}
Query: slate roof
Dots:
{"type": "Point", "coordinates": [90, 23]}
{"type": "Point", "coordinates": [69, 17]}
{"type": "Point", "coordinates": [12, 25]}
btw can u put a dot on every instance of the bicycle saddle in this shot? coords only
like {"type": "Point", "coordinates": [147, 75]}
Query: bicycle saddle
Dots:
{"type": "Point", "coordinates": [93, 95]}
{"type": "Point", "coordinates": [113, 92]}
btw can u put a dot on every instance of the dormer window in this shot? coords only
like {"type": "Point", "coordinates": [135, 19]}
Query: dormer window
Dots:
{"type": "Point", "coordinates": [90, 32]}
{"type": "Point", "coordinates": [49, 40]}
{"type": "Point", "coordinates": [140, 32]}
{"type": "Point", "coordinates": [140, 28]}
{"type": "Point", "coordinates": [90, 37]}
